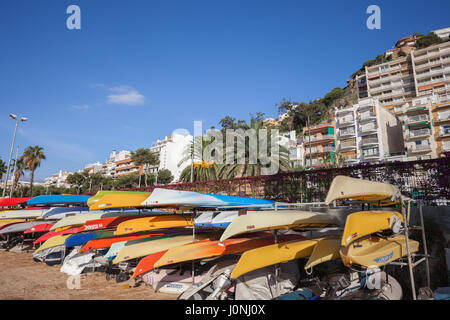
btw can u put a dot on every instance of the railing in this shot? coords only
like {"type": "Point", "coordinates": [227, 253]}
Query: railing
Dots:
{"type": "Point", "coordinates": [371, 156]}
{"type": "Point", "coordinates": [420, 147]}
{"type": "Point", "coordinates": [369, 141]}
{"type": "Point", "coordinates": [419, 118]}
{"type": "Point", "coordinates": [444, 133]}
{"type": "Point", "coordinates": [441, 117]}
{"type": "Point", "coordinates": [346, 133]}
{"type": "Point", "coordinates": [418, 133]}
{"type": "Point", "coordinates": [366, 116]}
{"type": "Point", "coordinates": [368, 128]}
{"type": "Point", "coordinates": [323, 137]}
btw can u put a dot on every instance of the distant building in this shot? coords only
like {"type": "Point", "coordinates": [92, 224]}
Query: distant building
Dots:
{"type": "Point", "coordinates": [58, 180]}
{"type": "Point", "coordinates": [319, 142]}
{"type": "Point", "coordinates": [171, 152]}
{"type": "Point", "coordinates": [442, 33]}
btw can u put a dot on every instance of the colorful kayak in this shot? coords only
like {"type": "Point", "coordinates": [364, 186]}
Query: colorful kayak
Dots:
{"type": "Point", "coordinates": [376, 251]}
{"type": "Point", "coordinates": [224, 219]}
{"type": "Point", "coordinates": [53, 242]}
{"type": "Point", "coordinates": [108, 223]}
{"type": "Point", "coordinates": [80, 219]}
{"type": "Point", "coordinates": [58, 200]}
{"type": "Point", "coordinates": [57, 213]}
{"type": "Point", "coordinates": [177, 199]}
{"type": "Point", "coordinates": [116, 201]}
{"type": "Point", "coordinates": [282, 219]}
{"type": "Point", "coordinates": [29, 213]}
{"type": "Point", "coordinates": [83, 238]}
{"type": "Point", "coordinates": [103, 243]}
{"type": "Point", "coordinates": [364, 223]}
{"type": "Point", "coordinates": [154, 222]}
{"type": "Point", "coordinates": [44, 227]}
{"type": "Point", "coordinates": [344, 187]}
{"type": "Point", "coordinates": [19, 227]}
{"type": "Point", "coordinates": [147, 264]}
{"type": "Point", "coordinates": [325, 250]}
{"type": "Point", "coordinates": [212, 248]}
{"type": "Point", "coordinates": [143, 247]}
{"type": "Point", "coordinates": [52, 234]}
{"type": "Point", "coordinates": [272, 254]}
{"type": "Point", "coordinates": [12, 202]}
{"type": "Point", "coordinates": [103, 193]}
{"type": "Point", "coordinates": [4, 222]}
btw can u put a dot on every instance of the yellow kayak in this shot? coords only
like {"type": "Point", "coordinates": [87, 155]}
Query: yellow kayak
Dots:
{"type": "Point", "coordinates": [153, 222]}
{"type": "Point", "coordinates": [144, 247]}
{"type": "Point", "coordinates": [364, 223]}
{"type": "Point", "coordinates": [344, 187]}
{"type": "Point", "coordinates": [273, 254]}
{"type": "Point", "coordinates": [115, 201]}
{"type": "Point", "coordinates": [255, 221]}
{"type": "Point", "coordinates": [53, 242]}
{"type": "Point", "coordinates": [103, 193]}
{"type": "Point", "coordinates": [376, 251]}
{"type": "Point", "coordinates": [4, 222]}
{"type": "Point", "coordinates": [325, 250]}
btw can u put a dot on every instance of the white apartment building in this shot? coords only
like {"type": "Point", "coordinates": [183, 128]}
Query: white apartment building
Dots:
{"type": "Point", "coordinates": [295, 148]}
{"type": "Point", "coordinates": [367, 132]}
{"type": "Point", "coordinates": [58, 179]}
{"type": "Point", "coordinates": [432, 69]}
{"type": "Point", "coordinates": [442, 33]}
{"type": "Point", "coordinates": [171, 152]}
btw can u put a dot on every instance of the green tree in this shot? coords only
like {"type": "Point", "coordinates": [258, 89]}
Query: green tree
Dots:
{"type": "Point", "coordinates": [77, 179]}
{"type": "Point", "coordinates": [165, 176]}
{"type": "Point", "coordinates": [144, 157]}
{"type": "Point", "coordinates": [127, 181]}
{"type": "Point", "coordinates": [32, 158]}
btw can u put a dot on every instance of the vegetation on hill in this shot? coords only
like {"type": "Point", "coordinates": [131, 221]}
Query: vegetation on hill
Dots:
{"type": "Point", "coordinates": [428, 40]}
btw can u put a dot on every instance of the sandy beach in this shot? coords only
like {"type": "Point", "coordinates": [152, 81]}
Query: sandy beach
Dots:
{"type": "Point", "coordinates": [24, 279]}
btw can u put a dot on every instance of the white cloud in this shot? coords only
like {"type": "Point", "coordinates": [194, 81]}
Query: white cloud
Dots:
{"type": "Point", "coordinates": [125, 95]}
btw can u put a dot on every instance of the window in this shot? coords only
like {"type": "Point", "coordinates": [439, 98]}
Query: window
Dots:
{"type": "Point", "coordinates": [445, 129]}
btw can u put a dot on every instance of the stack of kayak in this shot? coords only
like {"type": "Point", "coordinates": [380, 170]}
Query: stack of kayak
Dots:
{"type": "Point", "coordinates": [183, 241]}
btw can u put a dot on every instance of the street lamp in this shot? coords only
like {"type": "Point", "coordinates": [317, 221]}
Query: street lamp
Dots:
{"type": "Point", "coordinates": [22, 119]}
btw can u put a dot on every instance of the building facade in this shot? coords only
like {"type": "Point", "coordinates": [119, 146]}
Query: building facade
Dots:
{"type": "Point", "coordinates": [319, 142]}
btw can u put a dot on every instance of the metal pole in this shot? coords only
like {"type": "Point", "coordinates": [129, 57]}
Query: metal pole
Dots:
{"type": "Point", "coordinates": [425, 250]}
{"type": "Point", "coordinates": [410, 267]}
{"type": "Point", "coordinates": [10, 155]}
{"type": "Point", "coordinates": [14, 172]}
{"type": "Point", "coordinates": [193, 240]}
{"type": "Point", "coordinates": [192, 159]}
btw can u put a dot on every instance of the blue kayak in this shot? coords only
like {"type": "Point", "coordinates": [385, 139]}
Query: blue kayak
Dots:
{"type": "Point", "coordinates": [64, 211]}
{"type": "Point", "coordinates": [58, 200]}
{"type": "Point", "coordinates": [83, 238]}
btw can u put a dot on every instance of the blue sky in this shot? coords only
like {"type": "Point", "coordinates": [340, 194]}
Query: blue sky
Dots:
{"type": "Point", "coordinates": [139, 69]}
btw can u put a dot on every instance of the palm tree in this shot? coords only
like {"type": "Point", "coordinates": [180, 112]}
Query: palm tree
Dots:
{"type": "Point", "coordinates": [3, 168]}
{"type": "Point", "coordinates": [32, 157]}
{"type": "Point", "coordinates": [247, 169]}
{"type": "Point", "coordinates": [144, 157]}
{"type": "Point", "coordinates": [18, 172]}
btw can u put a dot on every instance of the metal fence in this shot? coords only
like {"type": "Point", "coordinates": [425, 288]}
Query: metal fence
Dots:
{"type": "Point", "coordinates": [428, 180]}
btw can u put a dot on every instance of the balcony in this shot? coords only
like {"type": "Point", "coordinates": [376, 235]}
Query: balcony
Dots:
{"type": "Point", "coordinates": [346, 133]}
{"type": "Point", "coordinates": [318, 139]}
{"type": "Point", "coordinates": [347, 146]}
{"type": "Point", "coordinates": [446, 147]}
{"type": "Point", "coordinates": [444, 133]}
{"type": "Point", "coordinates": [369, 141]}
{"type": "Point", "coordinates": [421, 133]}
{"type": "Point", "coordinates": [342, 123]}
{"type": "Point", "coordinates": [442, 117]}
{"type": "Point", "coordinates": [418, 119]}
{"type": "Point", "coordinates": [367, 116]}
{"type": "Point", "coordinates": [398, 109]}
{"type": "Point", "coordinates": [419, 148]}
{"type": "Point", "coordinates": [368, 129]}
{"type": "Point", "coordinates": [373, 156]}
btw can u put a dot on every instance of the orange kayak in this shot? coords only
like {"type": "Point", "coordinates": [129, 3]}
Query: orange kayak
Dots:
{"type": "Point", "coordinates": [97, 244]}
{"type": "Point", "coordinates": [153, 223]}
{"type": "Point", "coordinates": [209, 248]}
{"type": "Point", "coordinates": [148, 264]}
{"type": "Point", "coordinates": [108, 223]}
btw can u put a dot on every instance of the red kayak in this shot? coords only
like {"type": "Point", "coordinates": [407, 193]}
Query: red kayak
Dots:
{"type": "Point", "coordinates": [51, 234]}
{"type": "Point", "coordinates": [107, 223]}
{"type": "Point", "coordinates": [40, 228]}
{"type": "Point", "coordinates": [12, 202]}
{"type": "Point", "coordinates": [97, 244]}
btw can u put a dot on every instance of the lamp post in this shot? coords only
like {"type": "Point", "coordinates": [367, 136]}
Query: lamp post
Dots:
{"type": "Point", "coordinates": [14, 172]}
{"type": "Point", "coordinates": [22, 119]}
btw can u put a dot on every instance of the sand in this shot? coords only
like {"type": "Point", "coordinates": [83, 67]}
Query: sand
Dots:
{"type": "Point", "coordinates": [24, 279]}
